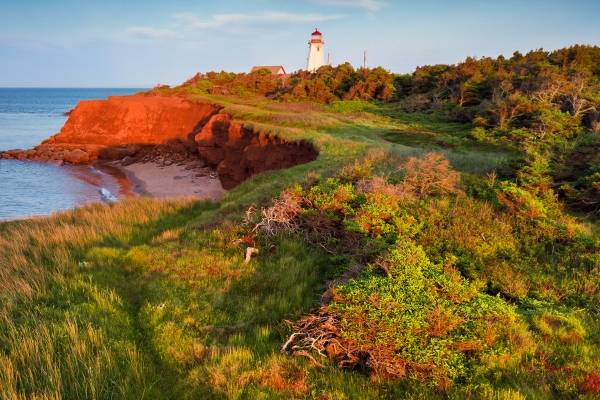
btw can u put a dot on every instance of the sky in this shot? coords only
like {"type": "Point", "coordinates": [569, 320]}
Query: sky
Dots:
{"type": "Point", "coordinates": [140, 43]}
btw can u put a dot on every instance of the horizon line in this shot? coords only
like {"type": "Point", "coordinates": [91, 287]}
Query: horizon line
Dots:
{"type": "Point", "coordinates": [80, 87]}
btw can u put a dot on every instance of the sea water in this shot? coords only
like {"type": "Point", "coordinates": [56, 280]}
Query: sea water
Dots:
{"type": "Point", "coordinates": [28, 116]}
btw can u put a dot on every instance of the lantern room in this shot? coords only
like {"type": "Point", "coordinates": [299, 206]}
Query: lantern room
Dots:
{"type": "Point", "coordinates": [316, 37]}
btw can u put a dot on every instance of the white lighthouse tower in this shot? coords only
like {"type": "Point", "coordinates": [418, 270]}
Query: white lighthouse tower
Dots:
{"type": "Point", "coordinates": [316, 53]}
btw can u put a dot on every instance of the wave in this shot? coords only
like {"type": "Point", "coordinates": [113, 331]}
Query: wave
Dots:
{"type": "Point", "coordinates": [106, 196]}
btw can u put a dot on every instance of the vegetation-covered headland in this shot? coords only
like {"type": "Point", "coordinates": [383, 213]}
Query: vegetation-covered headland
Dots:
{"type": "Point", "coordinates": [444, 244]}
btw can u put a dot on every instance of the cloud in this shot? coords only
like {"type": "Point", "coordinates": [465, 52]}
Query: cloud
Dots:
{"type": "Point", "coordinates": [152, 33]}
{"type": "Point", "coordinates": [234, 23]}
{"type": "Point", "coordinates": [369, 5]}
{"type": "Point", "coordinates": [192, 21]}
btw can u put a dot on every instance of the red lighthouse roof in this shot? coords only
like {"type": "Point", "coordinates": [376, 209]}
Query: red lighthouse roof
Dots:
{"type": "Point", "coordinates": [316, 32]}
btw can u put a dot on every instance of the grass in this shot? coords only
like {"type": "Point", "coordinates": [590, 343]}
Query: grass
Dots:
{"type": "Point", "coordinates": [63, 333]}
{"type": "Point", "coordinates": [152, 299]}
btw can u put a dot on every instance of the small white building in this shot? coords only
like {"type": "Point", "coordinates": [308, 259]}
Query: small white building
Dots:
{"type": "Point", "coordinates": [316, 54]}
{"type": "Point", "coordinates": [275, 69]}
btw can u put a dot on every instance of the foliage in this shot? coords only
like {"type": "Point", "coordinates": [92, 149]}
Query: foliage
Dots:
{"type": "Point", "coordinates": [255, 83]}
{"type": "Point", "coordinates": [327, 85]}
{"type": "Point", "coordinates": [422, 319]}
{"type": "Point", "coordinates": [419, 319]}
{"type": "Point", "coordinates": [538, 102]}
{"type": "Point", "coordinates": [398, 319]}
{"type": "Point", "coordinates": [430, 175]}
{"type": "Point", "coordinates": [576, 170]}
{"type": "Point", "coordinates": [499, 284]}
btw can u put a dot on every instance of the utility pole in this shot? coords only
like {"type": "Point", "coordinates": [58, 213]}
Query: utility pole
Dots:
{"type": "Point", "coordinates": [365, 60]}
{"type": "Point", "coordinates": [328, 63]}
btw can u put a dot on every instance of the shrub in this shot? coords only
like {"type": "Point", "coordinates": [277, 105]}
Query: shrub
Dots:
{"type": "Point", "coordinates": [419, 319]}
{"type": "Point", "coordinates": [479, 133]}
{"type": "Point", "coordinates": [333, 196]}
{"type": "Point", "coordinates": [381, 215]}
{"type": "Point", "coordinates": [356, 171]}
{"type": "Point", "coordinates": [431, 174]}
{"type": "Point", "coordinates": [520, 202]}
{"type": "Point", "coordinates": [590, 384]}
{"type": "Point", "coordinates": [415, 103]}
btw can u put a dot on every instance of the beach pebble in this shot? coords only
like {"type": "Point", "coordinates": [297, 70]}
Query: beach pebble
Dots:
{"type": "Point", "coordinates": [168, 163]}
{"type": "Point", "coordinates": [177, 177]}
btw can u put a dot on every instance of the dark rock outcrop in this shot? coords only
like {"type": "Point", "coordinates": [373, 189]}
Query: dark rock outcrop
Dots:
{"type": "Point", "coordinates": [239, 153]}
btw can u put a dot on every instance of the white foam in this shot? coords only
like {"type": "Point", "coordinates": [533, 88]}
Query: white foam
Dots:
{"type": "Point", "coordinates": [106, 196]}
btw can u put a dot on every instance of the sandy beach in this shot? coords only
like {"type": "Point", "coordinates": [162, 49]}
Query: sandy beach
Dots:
{"type": "Point", "coordinates": [168, 181]}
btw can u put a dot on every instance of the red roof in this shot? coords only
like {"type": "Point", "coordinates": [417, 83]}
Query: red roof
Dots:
{"type": "Point", "coordinates": [316, 32]}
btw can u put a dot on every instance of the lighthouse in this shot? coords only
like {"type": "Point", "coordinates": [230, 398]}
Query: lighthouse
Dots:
{"type": "Point", "coordinates": [316, 56]}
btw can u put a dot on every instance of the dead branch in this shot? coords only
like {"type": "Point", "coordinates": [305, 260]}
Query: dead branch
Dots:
{"type": "Point", "coordinates": [282, 215]}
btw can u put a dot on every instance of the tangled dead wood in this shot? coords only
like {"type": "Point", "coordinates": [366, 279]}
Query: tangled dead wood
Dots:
{"type": "Point", "coordinates": [320, 333]}
{"type": "Point", "coordinates": [282, 215]}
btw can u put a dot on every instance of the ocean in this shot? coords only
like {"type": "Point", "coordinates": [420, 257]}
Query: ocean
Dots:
{"type": "Point", "coordinates": [28, 116]}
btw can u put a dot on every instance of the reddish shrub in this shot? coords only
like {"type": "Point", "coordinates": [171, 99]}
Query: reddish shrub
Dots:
{"type": "Point", "coordinates": [590, 383]}
{"type": "Point", "coordinates": [431, 174]}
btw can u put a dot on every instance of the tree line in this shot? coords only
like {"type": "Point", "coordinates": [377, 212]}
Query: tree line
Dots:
{"type": "Point", "coordinates": [546, 104]}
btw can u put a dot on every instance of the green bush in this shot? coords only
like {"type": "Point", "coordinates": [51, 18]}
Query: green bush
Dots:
{"type": "Point", "coordinates": [417, 319]}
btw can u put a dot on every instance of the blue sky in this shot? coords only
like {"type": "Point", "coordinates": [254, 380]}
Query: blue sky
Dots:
{"type": "Point", "coordinates": [119, 43]}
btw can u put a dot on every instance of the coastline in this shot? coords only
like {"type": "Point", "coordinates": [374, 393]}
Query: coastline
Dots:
{"type": "Point", "coordinates": [126, 186]}
{"type": "Point", "coordinates": [149, 179]}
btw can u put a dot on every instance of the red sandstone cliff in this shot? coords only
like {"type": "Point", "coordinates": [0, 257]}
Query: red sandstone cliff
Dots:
{"type": "Point", "coordinates": [128, 125]}
{"type": "Point", "coordinates": [95, 125]}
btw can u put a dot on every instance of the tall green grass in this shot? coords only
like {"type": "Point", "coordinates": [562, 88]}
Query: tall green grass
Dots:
{"type": "Point", "coordinates": [61, 334]}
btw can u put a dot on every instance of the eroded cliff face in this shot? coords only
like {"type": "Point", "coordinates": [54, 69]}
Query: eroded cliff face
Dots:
{"type": "Point", "coordinates": [99, 126]}
{"type": "Point", "coordinates": [144, 128]}
{"type": "Point", "coordinates": [239, 153]}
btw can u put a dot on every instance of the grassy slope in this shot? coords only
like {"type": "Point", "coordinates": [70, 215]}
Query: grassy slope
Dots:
{"type": "Point", "coordinates": [149, 299]}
